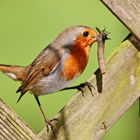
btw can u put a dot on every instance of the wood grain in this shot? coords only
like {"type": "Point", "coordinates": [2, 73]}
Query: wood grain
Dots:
{"type": "Point", "coordinates": [128, 11]}
{"type": "Point", "coordinates": [12, 127]}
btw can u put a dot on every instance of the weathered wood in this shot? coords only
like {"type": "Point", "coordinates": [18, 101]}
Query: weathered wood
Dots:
{"type": "Point", "coordinates": [12, 127]}
{"type": "Point", "coordinates": [128, 11]}
{"type": "Point", "coordinates": [90, 117]}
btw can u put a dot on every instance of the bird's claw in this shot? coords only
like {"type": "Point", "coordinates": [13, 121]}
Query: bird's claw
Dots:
{"type": "Point", "coordinates": [50, 125]}
{"type": "Point", "coordinates": [86, 84]}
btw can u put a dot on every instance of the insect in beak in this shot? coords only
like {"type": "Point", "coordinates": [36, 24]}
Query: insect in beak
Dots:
{"type": "Point", "coordinates": [101, 38]}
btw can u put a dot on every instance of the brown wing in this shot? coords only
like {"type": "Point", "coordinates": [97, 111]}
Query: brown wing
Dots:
{"type": "Point", "coordinates": [41, 66]}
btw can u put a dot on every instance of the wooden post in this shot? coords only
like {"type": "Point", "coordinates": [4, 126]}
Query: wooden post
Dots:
{"type": "Point", "coordinates": [12, 127]}
{"type": "Point", "coordinates": [128, 11]}
{"type": "Point", "coordinates": [90, 117]}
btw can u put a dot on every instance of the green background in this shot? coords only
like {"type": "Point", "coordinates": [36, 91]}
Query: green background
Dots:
{"type": "Point", "coordinates": [27, 26]}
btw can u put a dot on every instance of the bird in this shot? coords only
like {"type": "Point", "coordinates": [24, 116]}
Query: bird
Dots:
{"type": "Point", "coordinates": [56, 66]}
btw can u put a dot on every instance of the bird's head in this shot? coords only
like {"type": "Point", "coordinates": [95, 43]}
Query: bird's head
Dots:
{"type": "Point", "coordinates": [81, 36]}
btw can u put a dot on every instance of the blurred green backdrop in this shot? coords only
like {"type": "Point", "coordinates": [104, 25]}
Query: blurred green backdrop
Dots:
{"type": "Point", "coordinates": [26, 27]}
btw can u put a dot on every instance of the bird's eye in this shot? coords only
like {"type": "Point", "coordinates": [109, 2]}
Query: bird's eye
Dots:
{"type": "Point", "coordinates": [85, 34]}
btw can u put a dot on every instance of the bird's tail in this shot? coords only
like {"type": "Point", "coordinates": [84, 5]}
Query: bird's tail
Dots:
{"type": "Point", "coordinates": [14, 72]}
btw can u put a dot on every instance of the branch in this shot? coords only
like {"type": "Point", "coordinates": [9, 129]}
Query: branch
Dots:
{"type": "Point", "coordinates": [90, 117]}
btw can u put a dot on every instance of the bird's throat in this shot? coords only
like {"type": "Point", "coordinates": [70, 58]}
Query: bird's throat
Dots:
{"type": "Point", "coordinates": [76, 62]}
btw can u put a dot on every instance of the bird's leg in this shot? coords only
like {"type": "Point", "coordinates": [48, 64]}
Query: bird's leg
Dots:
{"type": "Point", "coordinates": [81, 86]}
{"type": "Point", "coordinates": [47, 121]}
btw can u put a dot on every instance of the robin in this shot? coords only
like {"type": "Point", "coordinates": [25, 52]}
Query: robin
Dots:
{"type": "Point", "coordinates": [57, 66]}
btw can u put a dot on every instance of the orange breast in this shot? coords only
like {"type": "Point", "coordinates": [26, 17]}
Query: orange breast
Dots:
{"type": "Point", "coordinates": [75, 62]}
